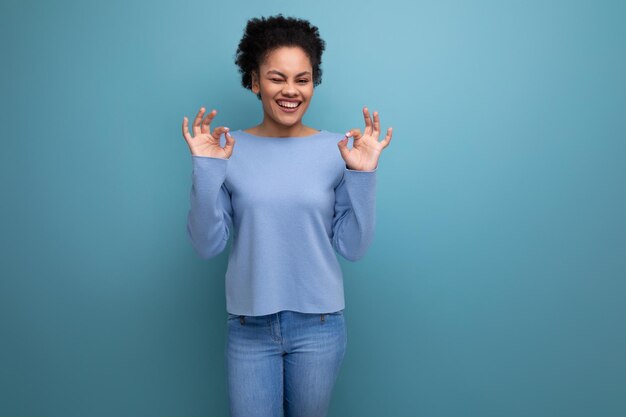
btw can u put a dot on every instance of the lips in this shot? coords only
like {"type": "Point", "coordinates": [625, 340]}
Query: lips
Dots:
{"type": "Point", "coordinates": [287, 105]}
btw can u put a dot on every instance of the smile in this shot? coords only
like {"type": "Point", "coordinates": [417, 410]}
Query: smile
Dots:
{"type": "Point", "coordinates": [288, 106]}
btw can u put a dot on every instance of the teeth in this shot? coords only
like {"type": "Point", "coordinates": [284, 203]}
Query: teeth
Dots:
{"type": "Point", "coordinates": [288, 104]}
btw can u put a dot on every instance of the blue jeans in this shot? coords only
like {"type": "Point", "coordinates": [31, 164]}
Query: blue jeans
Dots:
{"type": "Point", "coordinates": [283, 364]}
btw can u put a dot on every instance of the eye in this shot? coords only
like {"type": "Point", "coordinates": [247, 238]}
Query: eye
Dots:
{"type": "Point", "coordinates": [276, 80]}
{"type": "Point", "coordinates": [303, 81]}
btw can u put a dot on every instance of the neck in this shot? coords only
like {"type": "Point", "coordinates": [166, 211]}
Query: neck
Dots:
{"type": "Point", "coordinates": [272, 129]}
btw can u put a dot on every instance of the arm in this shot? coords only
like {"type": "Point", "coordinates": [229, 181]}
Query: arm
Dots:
{"type": "Point", "coordinates": [210, 217]}
{"type": "Point", "coordinates": [354, 220]}
{"type": "Point", "coordinates": [355, 204]}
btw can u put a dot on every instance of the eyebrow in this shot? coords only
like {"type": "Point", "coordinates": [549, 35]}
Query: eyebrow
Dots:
{"type": "Point", "coordinates": [280, 73]}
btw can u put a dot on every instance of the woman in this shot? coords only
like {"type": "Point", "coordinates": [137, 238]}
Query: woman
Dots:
{"type": "Point", "coordinates": [290, 195]}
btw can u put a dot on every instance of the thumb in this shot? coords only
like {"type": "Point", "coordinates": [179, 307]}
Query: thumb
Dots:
{"type": "Point", "coordinates": [230, 142]}
{"type": "Point", "coordinates": [343, 147]}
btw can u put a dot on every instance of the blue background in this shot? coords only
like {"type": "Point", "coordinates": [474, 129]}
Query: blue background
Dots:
{"type": "Point", "coordinates": [496, 284]}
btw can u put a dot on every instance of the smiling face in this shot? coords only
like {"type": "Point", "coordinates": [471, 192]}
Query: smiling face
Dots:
{"type": "Point", "coordinates": [285, 82]}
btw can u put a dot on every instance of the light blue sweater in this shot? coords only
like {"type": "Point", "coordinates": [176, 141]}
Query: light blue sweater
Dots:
{"type": "Point", "coordinates": [288, 202]}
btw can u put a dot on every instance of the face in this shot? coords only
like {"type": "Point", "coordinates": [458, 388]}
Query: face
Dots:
{"type": "Point", "coordinates": [285, 80]}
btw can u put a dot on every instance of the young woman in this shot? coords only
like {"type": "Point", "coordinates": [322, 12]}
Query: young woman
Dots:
{"type": "Point", "coordinates": [290, 195]}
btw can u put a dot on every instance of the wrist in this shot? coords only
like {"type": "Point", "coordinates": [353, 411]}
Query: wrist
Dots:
{"type": "Point", "coordinates": [366, 169]}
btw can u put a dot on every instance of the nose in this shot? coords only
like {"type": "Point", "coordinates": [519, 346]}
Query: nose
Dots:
{"type": "Point", "coordinates": [289, 89]}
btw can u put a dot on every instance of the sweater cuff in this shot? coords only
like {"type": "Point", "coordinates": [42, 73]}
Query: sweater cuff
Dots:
{"type": "Point", "coordinates": [357, 170]}
{"type": "Point", "coordinates": [360, 179]}
{"type": "Point", "coordinates": [206, 158]}
{"type": "Point", "coordinates": [208, 163]}
{"type": "Point", "coordinates": [209, 172]}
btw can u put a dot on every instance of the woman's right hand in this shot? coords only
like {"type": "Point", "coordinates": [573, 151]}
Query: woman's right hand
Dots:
{"type": "Point", "coordinates": [205, 143]}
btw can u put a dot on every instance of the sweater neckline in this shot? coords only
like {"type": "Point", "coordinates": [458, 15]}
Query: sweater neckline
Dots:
{"type": "Point", "coordinates": [240, 131]}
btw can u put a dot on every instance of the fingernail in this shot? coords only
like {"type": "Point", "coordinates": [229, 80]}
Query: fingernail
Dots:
{"type": "Point", "coordinates": [348, 134]}
{"type": "Point", "coordinates": [226, 128]}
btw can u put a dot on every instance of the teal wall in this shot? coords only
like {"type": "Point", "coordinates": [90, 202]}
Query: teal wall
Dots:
{"type": "Point", "coordinates": [496, 284]}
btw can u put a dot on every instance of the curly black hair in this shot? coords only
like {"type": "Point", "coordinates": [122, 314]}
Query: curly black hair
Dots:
{"type": "Point", "coordinates": [263, 35]}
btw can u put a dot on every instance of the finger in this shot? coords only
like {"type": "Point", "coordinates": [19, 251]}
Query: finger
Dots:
{"type": "Point", "coordinates": [218, 132]}
{"type": "Point", "coordinates": [356, 133]}
{"type": "Point", "coordinates": [186, 134]}
{"type": "Point", "coordinates": [197, 121]}
{"type": "Point", "coordinates": [368, 121]}
{"type": "Point", "coordinates": [387, 139]}
{"type": "Point", "coordinates": [376, 130]}
{"type": "Point", "coordinates": [206, 123]}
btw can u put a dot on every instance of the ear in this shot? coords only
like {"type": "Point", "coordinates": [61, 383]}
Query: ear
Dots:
{"type": "Point", "coordinates": [255, 82]}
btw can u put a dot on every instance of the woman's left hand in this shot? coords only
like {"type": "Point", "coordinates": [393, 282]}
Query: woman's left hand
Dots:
{"type": "Point", "coordinates": [366, 148]}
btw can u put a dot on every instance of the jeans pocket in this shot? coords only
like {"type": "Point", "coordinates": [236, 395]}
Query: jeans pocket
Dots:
{"type": "Point", "coordinates": [336, 313]}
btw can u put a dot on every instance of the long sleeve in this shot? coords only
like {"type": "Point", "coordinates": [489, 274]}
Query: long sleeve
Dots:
{"type": "Point", "coordinates": [210, 217]}
{"type": "Point", "coordinates": [354, 219]}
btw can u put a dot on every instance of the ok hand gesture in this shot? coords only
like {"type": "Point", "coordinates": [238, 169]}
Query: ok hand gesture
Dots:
{"type": "Point", "coordinates": [205, 143]}
{"type": "Point", "coordinates": [366, 148]}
